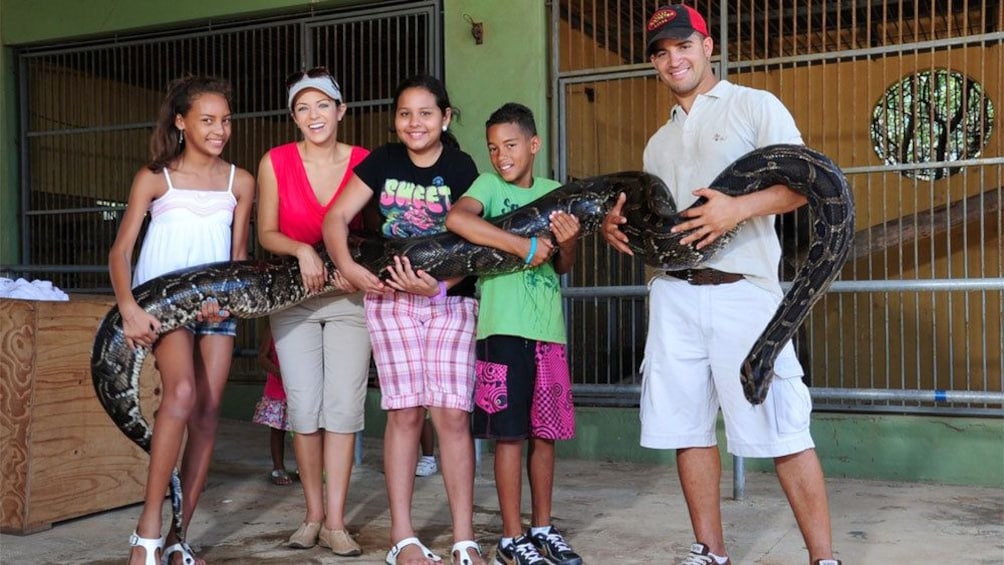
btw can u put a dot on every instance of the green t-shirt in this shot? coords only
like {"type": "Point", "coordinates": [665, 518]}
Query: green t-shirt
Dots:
{"type": "Point", "coordinates": [526, 304]}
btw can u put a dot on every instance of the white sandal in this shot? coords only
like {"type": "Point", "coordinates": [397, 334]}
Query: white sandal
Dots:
{"type": "Point", "coordinates": [461, 547]}
{"type": "Point", "coordinates": [396, 550]}
{"type": "Point", "coordinates": [187, 557]}
{"type": "Point", "coordinates": [150, 547]}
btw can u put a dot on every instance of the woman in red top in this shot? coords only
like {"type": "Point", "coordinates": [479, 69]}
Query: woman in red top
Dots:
{"type": "Point", "coordinates": [323, 344]}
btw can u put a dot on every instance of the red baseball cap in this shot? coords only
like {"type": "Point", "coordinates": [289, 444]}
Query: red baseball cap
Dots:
{"type": "Point", "coordinates": [676, 21]}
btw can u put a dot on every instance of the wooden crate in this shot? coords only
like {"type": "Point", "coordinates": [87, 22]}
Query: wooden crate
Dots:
{"type": "Point", "coordinates": [60, 454]}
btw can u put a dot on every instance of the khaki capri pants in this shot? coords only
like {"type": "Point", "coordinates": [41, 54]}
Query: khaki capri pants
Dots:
{"type": "Point", "coordinates": [324, 357]}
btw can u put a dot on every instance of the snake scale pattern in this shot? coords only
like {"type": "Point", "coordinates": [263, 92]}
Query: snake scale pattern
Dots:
{"type": "Point", "coordinates": [255, 288]}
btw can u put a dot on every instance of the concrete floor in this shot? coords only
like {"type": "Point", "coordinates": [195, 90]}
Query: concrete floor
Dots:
{"type": "Point", "coordinates": [610, 512]}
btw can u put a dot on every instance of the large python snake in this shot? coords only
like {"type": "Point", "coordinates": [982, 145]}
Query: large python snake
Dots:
{"type": "Point", "coordinates": [255, 288]}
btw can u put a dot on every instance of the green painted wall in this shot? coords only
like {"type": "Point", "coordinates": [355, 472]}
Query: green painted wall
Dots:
{"type": "Point", "coordinates": [510, 66]}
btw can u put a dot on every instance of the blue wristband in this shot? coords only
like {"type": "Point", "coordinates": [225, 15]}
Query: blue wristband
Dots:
{"type": "Point", "coordinates": [533, 250]}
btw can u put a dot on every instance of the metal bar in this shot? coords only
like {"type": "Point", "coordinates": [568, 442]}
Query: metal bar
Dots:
{"type": "Point", "coordinates": [892, 285]}
{"type": "Point", "coordinates": [59, 211]}
{"type": "Point", "coordinates": [25, 172]}
{"type": "Point", "coordinates": [435, 18]}
{"type": "Point", "coordinates": [150, 125]}
{"type": "Point", "coordinates": [738, 478]}
{"type": "Point", "coordinates": [918, 166]}
{"type": "Point", "coordinates": [823, 393]}
{"type": "Point", "coordinates": [914, 285]}
{"type": "Point", "coordinates": [56, 268]}
{"type": "Point", "coordinates": [562, 110]}
{"type": "Point", "coordinates": [723, 42]}
{"type": "Point", "coordinates": [557, 153]}
{"type": "Point", "coordinates": [590, 75]}
{"type": "Point", "coordinates": [632, 291]}
{"type": "Point", "coordinates": [832, 56]}
{"type": "Point", "coordinates": [937, 396]}
{"type": "Point", "coordinates": [836, 56]}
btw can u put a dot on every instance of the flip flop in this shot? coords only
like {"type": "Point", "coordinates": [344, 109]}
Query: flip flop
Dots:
{"type": "Point", "coordinates": [187, 557]}
{"type": "Point", "coordinates": [280, 477]}
{"type": "Point", "coordinates": [426, 552]}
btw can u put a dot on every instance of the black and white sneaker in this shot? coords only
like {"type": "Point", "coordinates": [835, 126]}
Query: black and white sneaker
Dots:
{"type": "Point", "coordinates": [552, 546]}
{"type": "Point", "coordinates": [521, 552]}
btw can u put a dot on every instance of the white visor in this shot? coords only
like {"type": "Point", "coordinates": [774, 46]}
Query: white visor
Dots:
{"type": "Point", "coordinates": [325, 84]}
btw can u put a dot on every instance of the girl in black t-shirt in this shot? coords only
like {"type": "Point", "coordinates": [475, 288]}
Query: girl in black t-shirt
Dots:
{"type": "Point", "coordinates": [422, 330]}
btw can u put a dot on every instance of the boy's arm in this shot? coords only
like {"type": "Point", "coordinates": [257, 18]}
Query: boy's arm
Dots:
{"type": "Point", "coordinates": [465, 220]}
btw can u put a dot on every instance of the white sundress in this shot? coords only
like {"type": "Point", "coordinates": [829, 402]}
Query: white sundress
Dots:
{"type": "Point", "coordinates": [188, 227]}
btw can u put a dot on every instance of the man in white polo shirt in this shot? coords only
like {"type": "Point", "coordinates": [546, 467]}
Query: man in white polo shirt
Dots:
{"type": "Point", "coordinates": [703, 321]}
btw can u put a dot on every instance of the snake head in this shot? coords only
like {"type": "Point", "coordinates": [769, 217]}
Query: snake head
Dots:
{"type": "Point", "coordinates": [755, 378]}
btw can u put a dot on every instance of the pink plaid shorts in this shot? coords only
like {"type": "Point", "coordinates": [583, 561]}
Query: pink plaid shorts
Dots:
{"type": "Point", "coordinates": [424, 351]}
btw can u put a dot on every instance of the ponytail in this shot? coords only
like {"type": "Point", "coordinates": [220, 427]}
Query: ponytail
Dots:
{"type": "Point", "coordinates": [449, 140]}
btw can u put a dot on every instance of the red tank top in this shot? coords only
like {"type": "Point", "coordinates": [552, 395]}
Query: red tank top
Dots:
{"type": "Point", "coordinates": [300, 214]}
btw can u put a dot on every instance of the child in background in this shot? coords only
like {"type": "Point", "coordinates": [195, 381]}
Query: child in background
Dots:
{"type": "Point", "coordinates": [271, 409]}
{"type": "Point", "coordinates": [427, 443]}
{"type": "Point", "coordinates": [523, 391]}
{"type": "Point", "coordinates": [199, 207]}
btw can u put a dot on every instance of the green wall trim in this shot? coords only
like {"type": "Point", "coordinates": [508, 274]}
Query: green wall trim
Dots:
{"type": "Point", "coordinates": [963, 451]}
{"type": "Point", "coordinates": [930, 449]}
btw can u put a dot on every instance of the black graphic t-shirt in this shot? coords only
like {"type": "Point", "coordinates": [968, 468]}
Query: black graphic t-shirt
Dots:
{"type": "Point", "coordinates": [413, 201]}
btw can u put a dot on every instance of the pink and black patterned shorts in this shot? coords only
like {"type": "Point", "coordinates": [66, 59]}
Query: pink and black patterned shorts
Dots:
{"type": "Point", "coordinates": [522, 389]}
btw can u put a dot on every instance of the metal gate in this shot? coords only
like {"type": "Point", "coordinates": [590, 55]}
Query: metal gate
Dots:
{"type": "Point", "coordinates": [905, 97]}
{"type": "Point", "coordinates": [87, 111]}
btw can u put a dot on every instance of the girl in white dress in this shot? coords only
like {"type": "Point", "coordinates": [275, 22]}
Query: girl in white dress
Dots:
{"type": "Point", "coordinates": [199, 208]}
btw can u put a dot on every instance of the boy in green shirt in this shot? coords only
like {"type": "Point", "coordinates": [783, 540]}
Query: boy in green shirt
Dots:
{"type": "Point", "coordinates": [523, 391]}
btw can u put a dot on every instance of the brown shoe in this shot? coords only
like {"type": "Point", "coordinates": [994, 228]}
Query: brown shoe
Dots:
{"type": "Point", "coordinates": [339, 542]}
{"type": "Point", "coordinates": [305, 537]}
